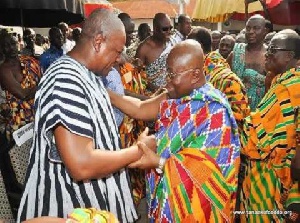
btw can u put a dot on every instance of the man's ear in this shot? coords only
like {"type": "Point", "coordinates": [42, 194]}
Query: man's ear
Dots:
{"type": "Point", "coordinates": [97, 41]}
{"type": "Point", "coordinates": [196, 76]}
{"type": "Point", "coordinates": [290, 55]}
{"type": "Point", "coordinates": [265, 32]}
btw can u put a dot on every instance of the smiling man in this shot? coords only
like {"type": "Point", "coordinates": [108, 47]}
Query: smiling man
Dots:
{"type": "Point", "coordinates": [194, 172]}
{"type": "Point", "coordinates": [76, 157]}
{"type": "Point", "coordinates": [268, 139]}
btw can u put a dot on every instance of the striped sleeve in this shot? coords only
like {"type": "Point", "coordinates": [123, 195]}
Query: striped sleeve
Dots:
{"type": "Point", "coordinates": [68, 105]}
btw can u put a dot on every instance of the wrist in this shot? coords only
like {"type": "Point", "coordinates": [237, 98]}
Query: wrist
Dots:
{"type": "Point", "coordinates": [160, 166]}
{"type": "Point", "coordinates": [137, 152]}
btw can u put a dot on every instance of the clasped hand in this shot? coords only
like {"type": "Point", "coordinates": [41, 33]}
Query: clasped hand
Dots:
{"type": "Point", "coordinates": [147, 145]}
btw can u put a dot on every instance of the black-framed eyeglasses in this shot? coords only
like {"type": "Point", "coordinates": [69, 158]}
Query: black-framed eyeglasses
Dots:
{"type": "Point", "coordinates": [167, 28]}
{"type": "Point", "coordinates": [171, 75]}
{"type": "Point", "coordinates": [271, 50]}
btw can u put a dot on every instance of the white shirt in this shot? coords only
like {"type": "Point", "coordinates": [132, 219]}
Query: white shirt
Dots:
{"type": "Point", "coordinates": [177, 37]}
{"type": "Point", "coordinates": [68, 46]}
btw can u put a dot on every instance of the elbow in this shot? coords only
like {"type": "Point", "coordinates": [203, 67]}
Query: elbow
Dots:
{"type": "Point", "coordinates": [79, 168]}
{"type": "Point", "coordinates": [80, 173]}
{"type": "Point", "coordinates": [21, 95]}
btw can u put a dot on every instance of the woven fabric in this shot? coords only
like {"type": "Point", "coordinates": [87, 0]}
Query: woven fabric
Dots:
{"type": "Point", "coordinates": [22, 111]}
{"type": "Point", "coordinates": [219, 74]}
{"type": "Point", "coordinates": [198, 136]}
{"type": "Point", "coordinates": [134, 81]}
{"type": "Point", "coordinates": [253, 81]}
{"type": "Point", "coordinates": [91, 215]}
{"type": "Point", "coordinates": [269, 143]}
{"type": "Point", "coordinates": [5, 211]}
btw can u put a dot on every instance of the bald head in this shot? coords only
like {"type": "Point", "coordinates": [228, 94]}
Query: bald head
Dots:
{"type": "Point", "coordinates": [158, 18]}
{"type": "Point", "coordinates": [288, 31]}
{"type": "Point", "coordinates": [187, 53]}
{"type": "Point", "coordinates": [102, 21]}
{"type": "Point", "coordinates": [255, 31]}
{"type": "Point", "coordinates": [129, 27]}
{"type": "Point", "coordinates": [258, 17]}
{"type": "Point", "coordinates": [290, 40]}
{"type": "Point", "coordinates": [185, 68]}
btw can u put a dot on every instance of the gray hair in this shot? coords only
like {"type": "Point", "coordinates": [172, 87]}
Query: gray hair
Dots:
{"type": "Point", "coordinates": [102, 21]}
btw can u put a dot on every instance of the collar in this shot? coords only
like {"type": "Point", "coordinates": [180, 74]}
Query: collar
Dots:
{"type": "Point", "coordinates": [180, 35]}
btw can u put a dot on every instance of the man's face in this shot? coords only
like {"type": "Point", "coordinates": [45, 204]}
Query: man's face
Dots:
{"type": "Point", "coordinates": [215, 37]}
{"type": "Point", "coordinates": [226, 46]}
{"type": "Point", "coordinates": [110, 52]}
{"type": "Point", "coordinates": [57, 39]}
{"type": "Point", "coordinates": [11, 47]}
{"type": "Point", "coordinates": [163, 31]}
{"type": "Point", "coordinates": [65, 30]}
{"type": "Point", "coordinates": [276, 56]}
{"type": "Point", "coordinates": [185, 27]}
{"type": "Point", "coordinates": [255, 31]}
{"type": "Point", "coordinates": [179, 79]}
{"type": "Point", "coordinates": [29, 39]}
{"type": "Point", "coordinates": [129, 29]}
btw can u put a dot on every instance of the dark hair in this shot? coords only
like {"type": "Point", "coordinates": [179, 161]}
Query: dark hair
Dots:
{"type": "Point", "coordinates": [62, 24]}
{"type": "Point", "coordinates": [157, 18]}
{"type": "Point", "coordinates": [27, 32]}
{"type": "Point", "coordinates": [76, 33]}
{"type": "Point", "coordinates": [202, 35]}
{"type": "Point", "coordinates": [124, 16]}
{"type": "Point", "coordinates": [269, 25]}
{"type": "Point", "coordinates": [143, 31]}
{"type": "Point", "coordinates": [181, 18]}
{"type": "Point", "coordinates": [52, 31]}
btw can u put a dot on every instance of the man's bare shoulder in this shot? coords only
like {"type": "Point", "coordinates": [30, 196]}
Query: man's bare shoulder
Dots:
{"type": "Point", "coordinates": [148, 43]}
{"type": "Point", "coordinates": [4, 69]}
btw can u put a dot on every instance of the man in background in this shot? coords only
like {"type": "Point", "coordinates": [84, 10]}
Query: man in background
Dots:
{"type": "Point", "coordinates": [67, 44]}
{"type": "Point", "coordinates": [55, 51]}
{"type": "Point", "coordinates": [226, 45]}
{"type": "Point", "coordinates": [183, 29]}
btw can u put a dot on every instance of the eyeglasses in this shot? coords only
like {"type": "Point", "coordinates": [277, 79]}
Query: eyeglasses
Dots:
{"type": "Point", "coordinates": [271, 50]}
{"type": "Point", "coordinates": [172, 75]}
{"type": "Point", "coordinates": [167, 28]}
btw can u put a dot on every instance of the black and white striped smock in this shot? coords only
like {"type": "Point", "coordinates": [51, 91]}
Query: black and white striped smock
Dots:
{"type": "Point", "coordinates": [70, 94]}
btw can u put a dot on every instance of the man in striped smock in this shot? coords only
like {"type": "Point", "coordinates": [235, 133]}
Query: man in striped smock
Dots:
{"type": "Point", "coordinates": [76, 158]}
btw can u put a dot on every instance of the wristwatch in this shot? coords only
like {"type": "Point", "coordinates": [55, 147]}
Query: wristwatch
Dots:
{"type": "Point", "coordinates": [161, 164]}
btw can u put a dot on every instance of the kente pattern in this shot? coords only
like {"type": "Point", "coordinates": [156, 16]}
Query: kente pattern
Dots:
{"type": "Point", "coordinates": [198, 136]}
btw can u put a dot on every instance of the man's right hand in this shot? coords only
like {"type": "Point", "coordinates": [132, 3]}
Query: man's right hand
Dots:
{"type": "Point", "coordinates": [148, 140]}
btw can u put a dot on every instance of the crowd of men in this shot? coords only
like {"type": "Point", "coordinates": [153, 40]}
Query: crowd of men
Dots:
{"type": "Point", "coordinates": [203, 124]}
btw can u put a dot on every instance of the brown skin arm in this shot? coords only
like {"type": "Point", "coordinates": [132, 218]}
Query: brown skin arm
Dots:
{"type": "Point", "coordinates": [46, 219]}
{"type": "Point", "coordinates": [230, 59]}
{"type": "Point", "coordinates": [135, 95]}
{"type": "Point", "coordinates": [141, 53]}
{"type": "Point", "coordinates": [143, 110]}
{"type": "Point", "coordinates": [84, 162]}
{"type": "Point", "coordinates": [9, 82]}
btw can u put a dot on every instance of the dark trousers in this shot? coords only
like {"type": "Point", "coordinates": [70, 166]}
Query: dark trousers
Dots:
{"type": "Point", "coordinates": [13, 188]}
